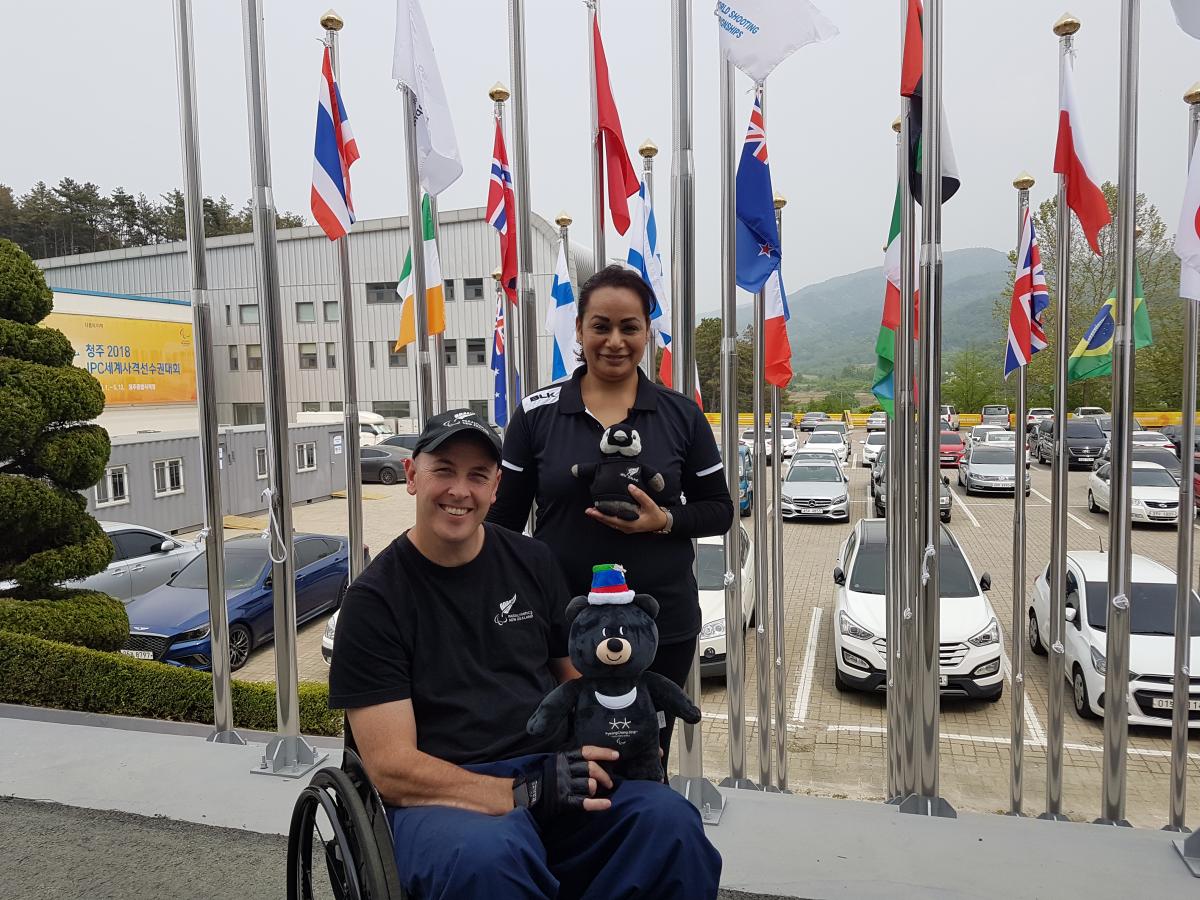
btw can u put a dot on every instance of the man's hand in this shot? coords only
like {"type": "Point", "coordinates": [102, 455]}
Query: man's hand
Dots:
{"type": "Point", "coordinates": [651, 516]}
{"type": "Point", "coordinates": [567, 781]}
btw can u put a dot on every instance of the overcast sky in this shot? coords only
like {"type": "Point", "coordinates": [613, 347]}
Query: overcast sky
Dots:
{"type": "Point", "coordinates": [92, 96]}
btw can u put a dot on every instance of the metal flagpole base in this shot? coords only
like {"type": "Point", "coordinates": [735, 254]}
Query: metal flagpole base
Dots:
{"type": "Point", "coordinates": [922, 805]}
{"type": "Point", "coordinates": [702, 794]}
{"type": "Point", "coordinates": [1114, 823]}
{"type": "Point", "coordinates": [1017, 815]}
{"type": "Point", "coordinates": [1178, 829]}
{"type": "Point", "coordinates": [1055, 817]}
{"type": "Point", "coordinates": [741, 784]}
{"type": "Point", "coordinates": [1189, 849]}
{"type": "Point", "coordinates": [226, 737]}
{"type": "Point", "coordinates": [894, 801]}
{"type": "Point", "coordinates": [290, 757]}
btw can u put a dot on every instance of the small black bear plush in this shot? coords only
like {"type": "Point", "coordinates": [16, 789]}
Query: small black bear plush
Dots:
{"type": "Point", "coordinates": [616, 702]}
{"type": "Point", "coordinates": [610, 478]}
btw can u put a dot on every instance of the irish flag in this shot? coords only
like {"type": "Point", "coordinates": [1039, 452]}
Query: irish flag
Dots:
{"type": "Point", "coordinates": [1071, 162]}
{"type": "Point", "coordinates": [883, 384]}
{"type": "Point", "coordinates": [435, 298]}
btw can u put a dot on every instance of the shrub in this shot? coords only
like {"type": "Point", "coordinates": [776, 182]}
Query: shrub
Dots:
{"type": "Point", "coordinates": [84, 618]}
{"type": "Point", "coordinates": [24, 296]}
{"type": "Point", "coordinates": [37, 672]}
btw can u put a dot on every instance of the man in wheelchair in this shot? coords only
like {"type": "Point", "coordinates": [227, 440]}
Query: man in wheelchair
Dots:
{"type": "Point", "coordinates": [445, 646]}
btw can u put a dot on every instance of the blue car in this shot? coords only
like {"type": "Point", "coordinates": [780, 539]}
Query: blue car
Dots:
{"type": "Point", "coordinates": [745, 486]}
{"type": "Point", "coordinates": [170, 623]}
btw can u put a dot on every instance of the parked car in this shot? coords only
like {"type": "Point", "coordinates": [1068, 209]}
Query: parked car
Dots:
{"type": "Point", "coordinates": [1158, 456]}
{"type": "Point", "coordinates": [383, 464]}
{"type": "Point", "coordinates": [170, 624]}
{"type": "Point", "coordinates": [1152, 439]}
{"type": "Point", "coordinates": [1007, 440]}
{"type": "Point", "coordinates": [877, 421]}
{"type": "Point", "coordinates": [1036, 415]}
{"type": "Point", "coordinates": [945, 502]}
{"type": "Point", "coordinates": [710, 579]}
{"type": "Point", "coordinates": [1105, 423]}
{"type": "Point", "coordinates": [786, 419]}
{"type": "Point", "coordinates": [1080, 411]}
{"type": "Point", "coordinates": [812, 419]}
{"type": "Point", "coordinates": [787, 441]}
{"type": "Point", "coordinates": [950, 417]}
{"type": "Point", "coordinates": [994, 414]}
{"type": "Point", "coordinates": [985, 468]}
{"type": "Point", "coordinates": [979, 433]}
{"type": "Point", "coordinates": [951, 448]}
{"type": "Point", "coordinates": [878, 471]}
{"type": "Point", "coordinates": [1174, 434]}
{"type": "Point", "coordinates": [745, 481]}
{"type": "Point", "coordinates": [872, 447]}
{"type": "Point", "coordinates": [1151, 636]}
{"type": "Point", "coordinates": [407, 441]}
{"type": "Point", "coordinates": [829, 440]}
{"type": "Point", "coordinates": [971, 642]}
{"type": "Point", "coordinates": [1155, 493]}
{"type": "Point", "coordinates": [839, 427]}
{"type": "Point", "coordinates": [815, 489]}
{"type": "Point", "coordinates": [1084, 439]}
{"type": "Point", "coordinates": [811, 454]}
{"type": "Point", "coordinates": [372, 426]}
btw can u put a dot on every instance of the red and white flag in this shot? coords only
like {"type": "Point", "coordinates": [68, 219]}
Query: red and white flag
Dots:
{"type": "Point", "coordinates": [1187, 236]}
{"type": "Point", "coordinates": [622, 179]}
{"type": "Point", "coordinates": [1084, 196]}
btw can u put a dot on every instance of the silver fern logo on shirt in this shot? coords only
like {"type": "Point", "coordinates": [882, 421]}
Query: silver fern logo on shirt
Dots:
{"type": "Point", "coordinates": [507, 614]}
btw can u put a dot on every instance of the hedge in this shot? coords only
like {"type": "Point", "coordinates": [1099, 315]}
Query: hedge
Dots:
{"type": "Point", "coordinates": [36, 672]}
{"type": "Point", "coordinates": [86, 619]}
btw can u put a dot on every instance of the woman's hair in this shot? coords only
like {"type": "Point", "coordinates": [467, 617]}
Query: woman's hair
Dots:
{"type": "Point", "coordinates": [615, 276]}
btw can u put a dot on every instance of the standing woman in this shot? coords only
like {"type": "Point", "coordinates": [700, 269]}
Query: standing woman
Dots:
{"type": "Point", "coordinates": [561, 425]}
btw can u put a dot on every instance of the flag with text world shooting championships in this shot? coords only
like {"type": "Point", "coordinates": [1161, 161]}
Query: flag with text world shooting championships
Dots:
{"type": "Point", "coordinates": [912, 70]}
{"type": "Point", "coordinates": [1026, 335]}
{"type": "Point", "coordinates": [757, 35]}
{"type": "Point", "coordinates": [1084, 197]}
{"type": "Point", "coordinates": [415, 67]}
{"type": "Point", "coordinates": [1092, 357]}
{"type": "Point", "coordinates": [1187, 14]}
{"type": "Point", "coordinates": [500, 207]}
{"type": "Point", "coordinates": [435, 297]}
{"type": "Point", "coordinates": [621, 178]}
{"type": "Point", "coordinates": [1187, 236]}
{"type": "Point", "coordinates": [334, 153]}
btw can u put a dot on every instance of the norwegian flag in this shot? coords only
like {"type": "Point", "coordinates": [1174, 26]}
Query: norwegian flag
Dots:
{"type": "Point", "coordinates": [500, 208]}
{"type": "Point", "coordinates": [334, 153]}
{"type": "Point", "coordinates": [1026, 335]}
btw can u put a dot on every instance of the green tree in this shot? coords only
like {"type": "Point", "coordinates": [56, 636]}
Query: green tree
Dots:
{"type": "Point", "coordinates": [971, 378]}
{"type": "Point", "coordinates": [50, 451]}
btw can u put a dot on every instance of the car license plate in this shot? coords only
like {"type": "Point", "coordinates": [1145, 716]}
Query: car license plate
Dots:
{"type": "Point", "coordinates": [1086, 458]}
{"type": "Point", "coordinates": [947, 458]}
{"type": "Point", "coordinates": [811, 512]}
{"type": "Point", "coordinates": [1169, 703]}
{"type": "Point", "coordinates": [1162, 515]}
{"type": "Point", "coordinates": [139, 654]}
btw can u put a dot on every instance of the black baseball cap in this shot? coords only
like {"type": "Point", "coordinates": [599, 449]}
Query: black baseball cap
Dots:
{"type": "Point", "coordinates": [454, 422]}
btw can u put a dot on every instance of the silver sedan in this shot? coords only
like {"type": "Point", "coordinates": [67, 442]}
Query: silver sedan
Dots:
{"type": "Point", "coordinates": [984, 468]}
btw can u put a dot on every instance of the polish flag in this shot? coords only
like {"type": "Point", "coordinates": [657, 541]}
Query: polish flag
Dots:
{"type": "Point", "coordinates": [1071, 162]}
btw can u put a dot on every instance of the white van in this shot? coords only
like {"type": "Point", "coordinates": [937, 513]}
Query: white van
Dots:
{"type": "Point", "coordinates": [371, 427]}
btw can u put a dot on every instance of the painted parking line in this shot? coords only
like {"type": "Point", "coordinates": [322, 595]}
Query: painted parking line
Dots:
{"type": "Point", "coordinates": [1070, 515]}
{"type": "Point", "coordinates": [804, 688]}
{"type": "Point", "coordinates": [970, 515]}
{"type": "Point", "coordinates": [1036, 732]}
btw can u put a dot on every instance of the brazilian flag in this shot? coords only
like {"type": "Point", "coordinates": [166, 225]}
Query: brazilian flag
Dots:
{"type": "Point", "coordinates": [1093, 356]}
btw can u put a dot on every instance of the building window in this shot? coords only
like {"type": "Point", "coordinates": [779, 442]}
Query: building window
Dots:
{"type": "Point", "coordinates": [306, 311]}
{"type": "Point", "coordinates": [228, 314]}
{"type": "Point", "coordinates": [397, 359]}
{"type": "Point", "coordinates": [336, 406]}
{"type": "Point", "coordinates": [480, 408]}
{"type": "Point", "coordinates": [448, 289]}
{"type": "Point", "coordinates": [247, 313]}
{"type": "Point", "coordinates": [382, 292]}
{"type": "Point", "coordinates": [306, 457]}
{"type": "Point", "coordinates": [473, 287]}
{"type": "Point", "coordinates": [310, 406]}
{"type": "Point", "coordinates": [477, 352]}
{"type": "Point", "coordinates": [254, 357]}
{"type": "Point", "coordinates": [168, 477]}
{"type": "Point", "coordinates": [260, 463]}
{"type": "Point", "coordinates": [450, 354]}
{"type": "Point", "coordinates": [391, 409]}
{"type": "Point", "coordinates": [113, 488]}
{"type": "Point", "coordinates": [331, 311]}
{"type": "Point", "coordinates": [249, 414]}
{"type": "Point", "coordinates": [308, 355]}
{"type": "Point", "coordinates": [371, 354]}
{"type": "Point", "coordinates": [330, 355]}
{"type": "Point", "coordinates": [233, 358]}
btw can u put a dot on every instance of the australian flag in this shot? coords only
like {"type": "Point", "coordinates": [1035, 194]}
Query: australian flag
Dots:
{"type": "Point", "coordinates": [500, 397]}
{"type": "Point", "coordinates": [757, 234]}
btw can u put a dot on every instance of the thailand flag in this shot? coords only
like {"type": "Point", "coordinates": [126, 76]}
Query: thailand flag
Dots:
{"type": "Point", "coordinates": [500, 397]}
{"type": "Point", "coordinates": [561, 314]}
{"type": "Point", "coordinates": [334, 153]}
{"type": "Point", "coordinates": [1071, 162]}
{"type": "Point", "coordinates": [500, 208]}
{"type": "Point", "coordinates": [1026, 334]}
{"type": "Point", "coordinates": [757, 233]}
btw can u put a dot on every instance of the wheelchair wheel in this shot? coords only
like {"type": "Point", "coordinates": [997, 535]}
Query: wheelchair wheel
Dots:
{"type": "Point", "coordinates": [358, 857]}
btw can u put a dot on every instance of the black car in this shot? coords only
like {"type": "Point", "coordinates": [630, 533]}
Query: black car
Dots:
{"type": "Point", "coordinates": [407, 441]}
{"type": "Point", "coordinates": [1160, 455]}
{"type": "Point", "coordinates": [945, 502]}
{"type": "Point", "coordinates": [812, 420]}
{"type": "Point", "coordinates": [384, 464]}
{"type": "Point", "coordinates": [1085, 442]}
{"type": "Point", "coordinates": [1175, 434]}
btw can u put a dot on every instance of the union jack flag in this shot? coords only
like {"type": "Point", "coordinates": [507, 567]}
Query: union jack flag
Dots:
{"type": "Point", "coordinates": [500, 208]}
{"type": "Point", "coordinates": [756, 134]}
{"type": "Point", "coordinates": [334, 153]}
{"type": "Point", "coordinates": [1026, 334]}
{"type": "Point", "coordinates": [500, 396]}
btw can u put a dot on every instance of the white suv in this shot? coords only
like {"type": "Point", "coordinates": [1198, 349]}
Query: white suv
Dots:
{"type": "Point", "coordinates": [950, 417]}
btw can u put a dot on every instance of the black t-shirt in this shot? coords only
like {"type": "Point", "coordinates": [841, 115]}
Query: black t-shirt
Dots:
{"type": "Point", "coordinates": [469, 645]}
{"type": "Point", "coordinates": [552, 430]}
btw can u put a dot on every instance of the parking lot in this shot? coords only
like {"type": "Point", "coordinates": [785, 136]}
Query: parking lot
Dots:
{"type": "Point", "coordinates": [836, 740]}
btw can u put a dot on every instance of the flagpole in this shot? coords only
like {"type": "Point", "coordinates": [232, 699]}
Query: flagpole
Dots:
{"type": "Point", "coordinates": [1066, 28]}
{"type": "Point", "coordinates": [1016, 769]}
{"type": "Point", "coordinates": [598, 250]}
{"type": "Point", "coordinates": [416, 234]}
{"type": "Point", "coordinates": [927, 800]}
{"type": "Point", "coordinates": [781, 760]}
{"type": "Point", "coordinates": [647, 151]}
{"type": "Point", "coordinates": [1187, 520]}
{"type": "Point", "coordinates": [762, 640]}
{"type": "Point", "coordinates": [735, 642]}
{"type": "Point", "coordinates": [288, 753]}
{"type": "Point", "coordinates": [526, 297]}
{"type": "Point", "coordinates": [499, 93]}
{"type": "Point", "coordinates": [441, 391]}
{"type": "Point", "coordinates": [206, 393]}
{"type": "Point", "coordinates": [1120, 554]}
{"type": "Point", "coordinates": [896, 561]}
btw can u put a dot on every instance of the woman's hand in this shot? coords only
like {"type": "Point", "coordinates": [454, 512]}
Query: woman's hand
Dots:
{"type": "Point", "coordinates": [651, 516]}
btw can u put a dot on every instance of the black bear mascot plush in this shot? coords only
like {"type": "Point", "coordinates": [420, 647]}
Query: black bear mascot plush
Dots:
{"type": "Point", "coordinates": [610, 478]}
{"type": "Point", "coordinates": [617, 702]}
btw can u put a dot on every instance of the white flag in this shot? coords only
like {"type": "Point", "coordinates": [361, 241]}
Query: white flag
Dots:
{"type": "Point", "coordinates": [757, 35]}
{"type": "Point", "coordinates": [415, 67]}
{"type": "Point", "coordinates": [1187, 236]}
{"type": "Point", "coordinates": [1187, 13]}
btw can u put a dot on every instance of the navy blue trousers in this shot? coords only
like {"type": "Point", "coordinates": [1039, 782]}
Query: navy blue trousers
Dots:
{"type": "Point", "coordinates": [649, 845]}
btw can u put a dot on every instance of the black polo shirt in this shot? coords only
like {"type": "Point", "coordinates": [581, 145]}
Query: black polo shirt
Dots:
{"type": "Point", "coordinates": [552, 430]}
